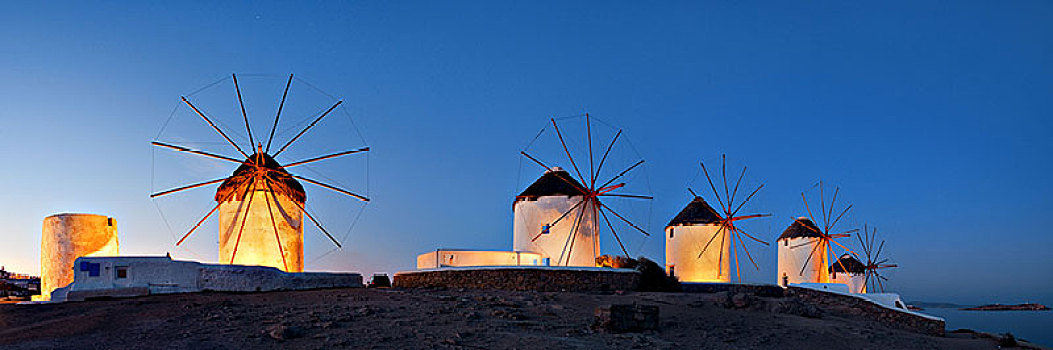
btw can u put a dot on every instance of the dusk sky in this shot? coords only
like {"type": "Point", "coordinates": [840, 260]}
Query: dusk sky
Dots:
{"type": "Point", "coordinates": [934, 118]}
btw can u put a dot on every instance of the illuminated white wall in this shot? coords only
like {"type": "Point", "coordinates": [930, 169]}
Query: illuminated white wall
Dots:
{"type": "Point", "coordinates": [853, 280]}
{"type": "Point", "coordinates": [530, 216]}
{"type": "Point", "coordinates": [462, 258]}
{"type": "Point", "coordinates": [793, 261]}
{"type": "Point", "coordinates": [258, 244]}
{"type": "Point", "coordinates": [682, 247]}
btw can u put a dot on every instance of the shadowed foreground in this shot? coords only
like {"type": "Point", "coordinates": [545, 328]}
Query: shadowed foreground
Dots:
{"type": "Point", "coordinates": [442, 319]}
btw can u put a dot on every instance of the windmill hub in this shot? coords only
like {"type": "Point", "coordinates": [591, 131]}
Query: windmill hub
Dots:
{"type": "Point", "coordinates": [261, 172]}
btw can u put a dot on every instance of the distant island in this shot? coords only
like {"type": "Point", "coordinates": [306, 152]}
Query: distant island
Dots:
{"type": "Point", "coordinates": [1000, 307]}
{"type": "Point", "coordinates": [936, 305]}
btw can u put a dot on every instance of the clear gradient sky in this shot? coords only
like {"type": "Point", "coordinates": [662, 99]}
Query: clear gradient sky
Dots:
{"type": "Point", "coordinates": [934, 117]}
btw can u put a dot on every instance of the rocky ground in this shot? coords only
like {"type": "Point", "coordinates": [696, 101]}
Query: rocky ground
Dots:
{"type": "Point", "coordinates": [444, 319]}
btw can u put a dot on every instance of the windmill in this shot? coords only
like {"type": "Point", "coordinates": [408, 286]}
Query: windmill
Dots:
{"type": "Point", "coordinates": [874, 262]}
{"type": "Point", "coordinates": [559, 215]}
{"type": "Point", "coordinates": [686, 254]}
{"type": "Point", "coordinates": [261, 204]}
{"type": "Point", "coordinates": [849, 271]}
{"type": "Point", "coordinates": [806, 248]}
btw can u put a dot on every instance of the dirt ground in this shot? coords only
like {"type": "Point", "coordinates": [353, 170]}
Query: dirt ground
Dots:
{"type": "Point", "coordinates": [432, 319]}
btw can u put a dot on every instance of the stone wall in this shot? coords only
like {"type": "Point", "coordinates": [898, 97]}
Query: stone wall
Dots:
{"type": "Point", "coordinates": [537, 279]}
{"type": "Point", "coordinates": [234, 278]}
{"type": "Point", "coordinates": [852, 307]}
{"type": "Point", "coordinates": [761, 290]}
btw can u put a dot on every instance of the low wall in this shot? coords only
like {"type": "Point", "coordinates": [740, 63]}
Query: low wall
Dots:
{"type": "Point", "coordinates": [549, 279]}
{"type": "Point", "coordinates": [761, 290]}
{"type": "Point", "coordinates": [234, 278]}
{"type": "Point", "coordinates": [854, 307]}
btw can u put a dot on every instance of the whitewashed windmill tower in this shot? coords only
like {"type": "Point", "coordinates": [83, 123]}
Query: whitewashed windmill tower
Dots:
{"type": "Point", "coordinates": [66, 237]}
{"type": "Point", "coordinates": [559, 215]}
{"type": "Point", "coordinates": [261, 205]}
{"type": "Point", "coordinates": [849, 271]}
{"type": "Point", "coordinates": [543, 203]}
{"type": "Point", "coordinates": [798, 261]}
{"type": "Point", "coordinates": [805, 248]}
{"type": "Point", "coordinates": [702, 241]}
{"type": "Point", "coordinates": [698, 222]}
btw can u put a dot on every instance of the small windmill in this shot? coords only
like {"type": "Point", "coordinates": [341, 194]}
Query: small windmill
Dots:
{"type": "Point", "coordinates": [558, 199]}
{"type": "Point", "coordinates": [874, 262]}
{"type": "Point", "coordinates": [805, 248]}
{"type": "Point", "coordinates": [259, 177]}
{"type": "Point", "coordinates": [728, 214]}
{"type": "Point", "coordinates": [849, 271]}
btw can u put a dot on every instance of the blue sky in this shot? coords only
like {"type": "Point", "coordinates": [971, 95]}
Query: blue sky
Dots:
{"type": "Point", "coordinates": [933, 117]}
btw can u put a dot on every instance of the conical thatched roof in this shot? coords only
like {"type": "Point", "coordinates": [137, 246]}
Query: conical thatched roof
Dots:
{"type": "Point", "coordinates": [802, 227]}
{"type": "Point", "coordinates": [555, 182]}
{"type": "Point", "coordinates": [850, 263]}
{"type": "Point", "coordinates": [280, 180]}
{"type": "Point", "coordinates": [698, 212]}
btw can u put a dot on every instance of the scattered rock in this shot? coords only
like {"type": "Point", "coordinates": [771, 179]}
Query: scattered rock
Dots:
{"type": "Point", "coordinates": [740, 300]}
{"type": "Point", "coordinates": [283, 332]}
{"type": "Point", "coordinates": [626, 318]}
{"type": "Point", "coordinates": [795, 307]}
{"type": "Point", "coordinates": [1007, 341]}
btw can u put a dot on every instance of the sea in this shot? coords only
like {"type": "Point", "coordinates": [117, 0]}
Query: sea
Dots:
{"type": "Point", "coordinates": [1033, 326]}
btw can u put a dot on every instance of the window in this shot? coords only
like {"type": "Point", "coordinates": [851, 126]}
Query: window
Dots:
{"type": "Point", "coordinates": [91, 268]}
{"type": "Point", "coordinates": [122, 272]}
{"type": "Point", "coordinates": [670, 232]}
{"type": "Point", "coordinates": [545, 228]}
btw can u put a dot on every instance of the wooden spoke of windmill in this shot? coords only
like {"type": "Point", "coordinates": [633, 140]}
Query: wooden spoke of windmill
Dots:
{"type": "Point", "coordinates": [823, 247]}
{"type": "Point", "coordinates": [728, 214]}
{"type": "Point", "coordinates": [873, 263]}
{"type": "Point", "coordinates": [590, 192]}
{"type": "Point", "coordinates": [258, 170]}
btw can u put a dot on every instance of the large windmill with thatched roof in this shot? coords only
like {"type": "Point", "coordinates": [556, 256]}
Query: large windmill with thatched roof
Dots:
{"type": "Point", "coordinates": [561, 215]}
{"type": "Point", "coordinates": [261, 205]}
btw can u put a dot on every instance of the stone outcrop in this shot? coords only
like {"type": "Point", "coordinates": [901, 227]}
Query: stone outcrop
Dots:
{"type": "Point", "coordinates": [626, 318]}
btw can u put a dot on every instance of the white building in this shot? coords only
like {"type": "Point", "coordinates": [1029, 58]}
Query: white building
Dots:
{"type": "Point", "coordinates": [464, 258]}
{"type": "Point", "coordinates": [261, 228]}
{"type": "Point", "coordinates": [802, 254]}
{"type": "Point", "coordinates": [850, 271]}
{"type": "Point", "coordinates": [686, 236]}
{"type": "Point", "coordinates": [66, 237]}
{"type": "Point", "coordinates": [135, 276]}
{"type": "Point", "coordinates": [540, 205]}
